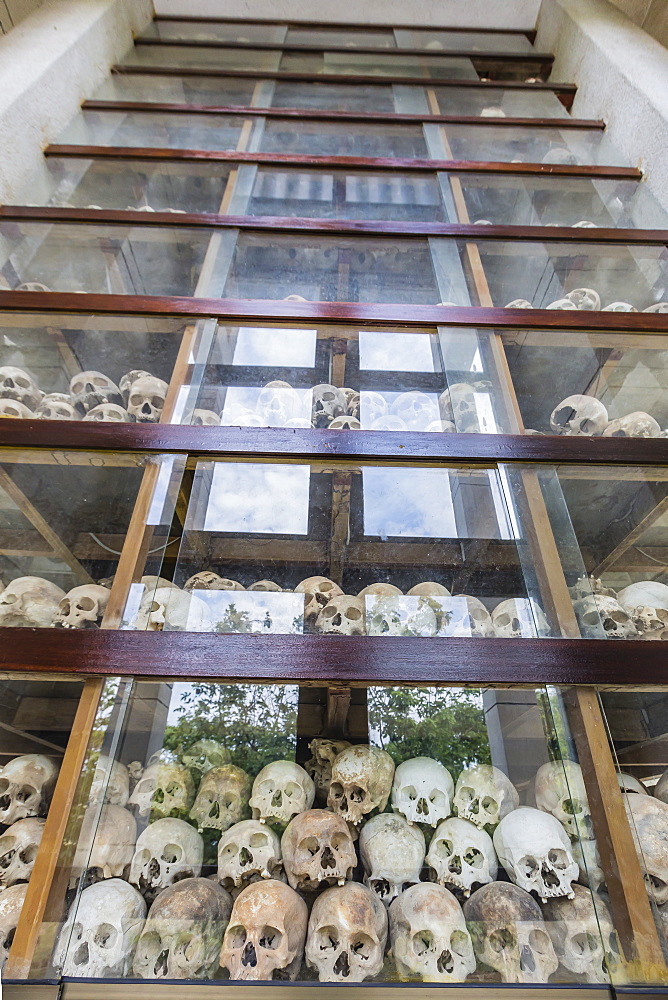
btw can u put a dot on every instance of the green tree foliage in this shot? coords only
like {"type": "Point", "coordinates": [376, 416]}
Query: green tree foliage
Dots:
{"type": "Point", "coordinates": [448, 725]}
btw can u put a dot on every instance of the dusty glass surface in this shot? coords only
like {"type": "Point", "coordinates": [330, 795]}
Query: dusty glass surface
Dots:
{"type": "Point", "coordinates": [476, 781]}
{"type": "Point", "coordinates": [383, 64]}
{"type": "Point", "coordinates": [64, 518]}
{"type": "Point", "coordinates": [335, 96]}
{"type": "Point", "coordinates": [177, 131]}
{"type": "Point", "coordinates": [222, 91]}
{"type": "Point", "coordinates": [524, 144]}
{"type": "Point", "coordinates": [475, 41]}
{"type": "Point", "coordinates": [495, 102]}
{"type": "Point", "coordinates": [343, 138]}
{"type": "Point", "coordinates": [186, 56]}
{"type": "Point", "coordinates": [198, 31]}
{"type": "Point", "coordinates": [348, 37]}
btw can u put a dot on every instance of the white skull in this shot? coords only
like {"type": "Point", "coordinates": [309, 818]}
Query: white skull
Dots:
{"type": "Point", "coordinates": [560, 790]}
{"type": "Point", "coordinates": [222, 798]}
{"type": "Point", "coordinates": [584, 224]}
{"type": "Point", "coordinates": [204, 418]}
{"type": "Point", "coordinates": [327, 402]}
{"type": "Point", "coordinates": [392, 853]}
{"type": "Point", "coordinates": [352, 401]}
{"type": "Point", "coordinates": [645, 593]}
{"type": "Point", "coordinates": [578, 415]}
{"type": "Point", "coordinates": [208, 580]}
{"type": "Point", "coordinates": [629, 784]}
{"type": "Point", "coordinates": [519, 616]}
{"type": "Point", "coordinates": [18, 849]}
{"type": "Point", "coordinates": [463, 616]}
{"type": "Point", "coordinates": [361, 782]}
{"type": "Point", "coordinates": [536, 852]}
{"type": "Point", "coordinates": [164, 789]}
{"type": "Point", "coordinates": [29, 601]}
{"type": "Point", "coordinates": [518, 304]}
{"type": "Point", "coordinates": [416, 409]}
{"type": "Point", "coordinates": [281, 790]}
{"type": "Point", "coordinates": [578, 931]}
{"type": "Point", "coordinates": [484, 795]}
{"type": "Point", "coordinates": [345, 423]}
{"type": "Point", "coordinates": [429, 935]}
{"type": "Point", "coordinates": [11, 904]}
{"type": "Point", "coordinates": [562, 304]}
{"type": "Point", "coordinates": [317, 850]}
{"type": "Point", "coordinates": [56, 406]}
{"type": "Point", "coordinates": [183, 932]}
{"type": "Point", "coordinates": [620, 307]}
{"type": "Point", "coordinates": [11, 408]}
{"type": "Point", "coordinates": [205, 754]}
{"type": "Point", "coordinates": [635, 425]}
{"type": "Point", "coordinates": [266, 587]}
{"type": "Point", "coordinates": [146, 399]}
{"type": "Point", "coordinates": [167, 851]}
{"type": "Point", "coordinates": [91, 389]}
{"type": "Point", "coordinates": [428, 589]}
{"type": "Point", "coordinates": [248, 848]}
{"type": "Point", "coordinates": [658, 307]}
{"type": "Point", "coordinates": [82, 607]}
{"type": "Point", "coordinates": [347, 932]}
{"type": "Point", "coordinates": [26, 787]}
{"type": "Point", "coordinates": [318, 591]}
{"type": "Point", "coordinates": [18, 385]}
{"type": "Point", "coordinates": [509, 933]}
{"type": "Point", "coordinates": [373, 406]}
{"type": "Point", "coordinates": [407, 616]}
{"type": "Point", "coordinates": [585, 298]}
{"type": "Point", "coordinates": [265, 936]}
{"type": "Point", "coordinates": [277, 403]}
{"type": "Point", "coordinates": [320, 764]}
{"type": "Point", "coordinates": [380, 590]}
{"type": "Point", "coordinates": [458, 405]}
{"type": "Point", "coordinates": [101, 932]}
{"type": "Point", "coordinates": [422, 791]}
{"type": "Point", "coordinates": [388, 423]}
{"type": "Point", "coordinates": [461, 855]}
{"type": "Point", "coordinates": [106, 845]}
{"type": "Point", "coordinates": [172, 610]}
{"type": "Point", "coordinates": [109, 412]}
{"type": "Point", "coordinates": [648, 819]}
{"type": "Point", "coordinates": [343, 615]}
{"type": "Point", "coordinates": [598, 611]}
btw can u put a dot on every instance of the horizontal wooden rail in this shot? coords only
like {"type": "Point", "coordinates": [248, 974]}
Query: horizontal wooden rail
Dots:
{"type": "Point", "coordinates": [325, 660]}
{"type": "Point", "coordinates": [388, 117]}
{"type": "Point", "coordinates": [346, 162]}
{"type": "Point", "coordinates": [394, 315]}
{"type": "Point", "coordinates": [386, 446]}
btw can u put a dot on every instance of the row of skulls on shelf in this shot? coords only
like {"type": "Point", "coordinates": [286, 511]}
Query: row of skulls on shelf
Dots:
{"type": "Point", "coordinates": [637, 611]}
{"type": "Point", "coordinates": [284, 886]}
{"type": "Point", "coordinates": [583, 415]}
{"type": "Point", "coordinates": [587, 299]}
{"type": "Point", "coordinates": [139, 397]}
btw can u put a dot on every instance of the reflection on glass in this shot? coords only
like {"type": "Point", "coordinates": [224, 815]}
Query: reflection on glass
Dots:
{"type": "Point", "coordinates": [220, 91]}
{"type": "Point", "coordinates": [495, 102]}
{"type": "Point", "coordinates": [528, 145]}
{"type": "Point", "coordinates": [348, 37]}
{"type": "Point", "coordinates": [203, 31]}
{"type": "Point", "coordinates": [343, 139]}
{"type": "Point", "coordinates": [385, 64]}
{"type": "Point", "coordinates": [161, 131]}
{"type": "Point", "coordinates": [475, 41]}
{"type": "Point", "coordinates": [177, 56]}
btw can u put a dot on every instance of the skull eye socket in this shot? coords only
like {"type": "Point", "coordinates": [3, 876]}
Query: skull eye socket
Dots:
{"type": "Point", "coordinates": [9, 598]}
{"type": "Point", "coordinates": [310, 845]}
{"type": "Point", "coordinates": [443, 848]}
{"type": "Point", "coordinates": [258, 840]}
{"type": "Point", "coordinates": [99, 381]}
{"type": "Point", "coordinates": [558, 858]}
{"type": "Point", "coordinates": [4, 785]}
{"type": "Point", "coordinates": [335, 790]}
{"type": "Point", "coordinates": [540, 942]}
{"type": "Point", "coordinates": [501, 939]}
{"type": "Point", "coordinates": [105, 936]}
{"type": "Point", "coordinates": [86, 604]}
{"type": "Point", "coordinates": [460, 943]}
{"type": "Point", "coordinates": [328, 939]}
{"type": "Point", "coordinates": [474, 858]}
{"type": "Point", "coordinates": [529, 866]}
{"type": "Point", "coordinates": [25, 793]}
{"type": "Point", "coordinates": [503, 620]}
{"type": "Point", "coordinates": [23, 383]}
{"type": "Point", "coordinates": [231, 850]}
{"type": "Point", "coordinates": [237, 936]}
{"type": "Point", "coordinates": [466, 795]}
{"type": "Point", "coordinates": [28, 854]}
{"type": "Point", "coordinates": [362, 947]}
{"type": "Point", "coordinates": [171, 854]}
{"type": "Point", "coordinates": [422, 942]}
{"type": "Point", "coordinates": [490, 805]}
{"type": "Point", "coordinates": [411, 792]}
{"type": "Point", "coordinates": [612, 943]}
{"type": "Point", "coordinates": [270, 938]}
{"type": "Point", "coordinates": [572, 807]}
{"type": "Point", "coordinates": [356, 794]}
{"type": "Point", "coordinates": [136, 400]}
{"type": "Point", "coordinates": [353, 614]}
{"type": "Point", "coordinates": [291, 789]}
{"type": "Point", "coordinates": [157, 401]}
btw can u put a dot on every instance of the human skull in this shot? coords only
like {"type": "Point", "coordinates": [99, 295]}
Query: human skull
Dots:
{"type": "Point", "coordinates": [598, 612]}
{"type": "Point", "coordinates": [11, 408]}
{"type": "Point", "coordinates": [327, 402]}
{"type": "Point", "coordinates": [392, 853]}
{"type": "Point", "coordinates": [208, 580]}
{"type": "Point", "coordinates": [167, 851]}
{"type": "Point", "coordinates": [361, 782]}
{"type": "Point", "coordinates": [461, 855]}
{"type": "Point", "coordinates": [317, 850]}
{"type": "Point", "coordinates": [277, 403]}
{"type": "Point", "coordinates": [463, 616]}
{"type": "Point", "coordinates": [165, 789]}
{"type": "Point", "coordinates": [416, 409]}
{"type": "Point", "coordinates": [645, 593]}
{"type": "Point", "coordinates": [109, 412]}
{"type": "Point", "coordinates": [318, 591]}
{"type": "Point", "coordinates": [629, 784]}
{"type": "Point", "coordinates": [648, 817]}
{"type": "Point", "coordinates": [18, 849]}
{"type": "Point", "coordinates": [204, 755]}
{"type": "Point", "coordinates": [106, 842]}
{"type": "Point", "coordinates": [484, 795]}
{"type": "Point", "coordinates": [11, 904]}
{"type": "Point", "coordinates": [519, 616]}
{"type": "Point", "coordinates": [246, 849]}
{"type": "Point", "coordinates": [518, 304]}
{"type": "Point", "coordinates": [560, 790]}
{"type": "Point", "coordinates": [91, 389]}
{"type": "Point", "coordinates": [429, 935]}
{"type": "Point", "coordinates": [345, 423]}
{"type": "Point", "coordinates": [428, 589]}
{"type": "Point", "coordinates": [578, 415]}
{"type": "Point", "coordinates": [635, 425]}
{"type": "Point", "coordinates": [405, 616]}
{"type": "Point", "coordinates": [30, 602]}
{"type": "Point", "coordinates": [26, 787]}
{"type": "Point", "coordinates": [320, 764]}
{"type": "Point", "coordinates": [509, 933]}
{"type": "Point", "coordinates": [658, 307]}
{"type": "Point", "coordinates": [183, 932]}
{"type": "Point", "coordinates": [281, 790]}
{"type": "Point", "coordinates": [380, 590]}
{"type": "Point", "coordinates": [101, 932]}
{"type": "Point", "coordinates": [222, 798]}
{"type": "Point", "coordinates": [585, 298]}
{"type": "Point", "coordinates": [204, 418]}
{"type": "Point", "coordinates": [347, 932]}
{"type": "Point", "coordinates": [146, 399]}
{"type": "Point", "coordinates": [583, 935]}
{"type": "Point", "coordinates": [17, 384]}
{"type": "Point", "coordinates": [373, 406]}
{"type": "Point", "coordinates": [343, 615]}
{"type": "Point", "coordinates": [535, 851]}
{"type": "Point", "coordinates": [265, 937]}
{"type": "Point", "coordinates": [620, 307]}
{"type": "Point", "coordinates": [171, 610]}
{"type": "Point", "coordinates": [82, 607]}
{"type": "Point", "coordinates": [266, 587]}
{"type": "Point", "coordinates": [458, 404]}
{"type": "Point", "coordinates": [422, 791]}
{"type": "Point", "coordinates": [56, 406]}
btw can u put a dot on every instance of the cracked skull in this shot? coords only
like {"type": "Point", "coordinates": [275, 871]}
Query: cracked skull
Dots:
{"type": "Point", "coordinates": [167, 851]}
{"type": "Point", "coordinates": [535, 851]}
{"type": "Point", "coordinates": [265, 936]}
{"type": "Point", "coordinates": [361, 782]}
{"type": "Point", "coordinates": [461, 855]}
{"type": "Point", "coordinates": [26, 787]}
{"type": "Point", "coordinates": [600, 615]}
{"type": "Point", "coordinates": [82, 607]}
{"type": "Point", "coordinates": [579, 414]}
{"type": "Point", "coordinates": [319, 766]}
{"type": "Point", "coordinates": [484, 795]}
{"type": "Point", "coordinates": [222, 798]}
{"type": "Point", "coordinates": [422, 791]}
{"type": "Point", "coordinates": [18, 849]}
{"type": "Point", "coordinates": [91, 389]}
{"type": "Point", "coordinates": [281, 790]}
{"type": "Point", "coordinates": [560, 790]}
{"type": "Point", "coordinates": [392, 854]}
{"type": "Point", "coordinates": [318, 850]}
{"type": "Point", "coordinates": [317, 591]}
{"type": "Point", "coordinates": [164, 789]}
{"type": "Point", "coordinates": [429, 935]}
{"type": "Point", "coordinates": [246, 849]}
{"type": "Point", "coordinates": [18, 385]}
{"type": "Point", "coordinates": [347, 932]}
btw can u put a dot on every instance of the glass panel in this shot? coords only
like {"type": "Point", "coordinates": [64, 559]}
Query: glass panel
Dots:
{"type": "Point", "coordinates": [620, 520]}
{"type": "Point", "coordinates": [341, 36]}
{"type": "Point", "coordinates": [495, 102]}
{"type": "Point", "coordinates": [196, 759]}
{"type": "Point", "coordinates": [343, 139]}
{"type": "Point", "coordinates": [526, 145]}
{"type": "Point", "coordinates": [221, 91]}
{"type": "Point", "coordinates": [363, 64]}
{"type": "Point", "coordinates": [63, 522]}
{"type": "Point", "coordinates": [333, 96]}
{"type": "Point", "coordinates": [210, 31]}
{"type": "Point", "coordinates": [474, 41]}
{"type": "Point", "coordinates": [242, 58]}
{"type": "Point", "coordinates": [112, 128]}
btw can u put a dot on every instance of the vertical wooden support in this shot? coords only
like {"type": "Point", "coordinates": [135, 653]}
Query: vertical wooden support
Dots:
{"type": "Point", "coordinates": [336, 715]}
{"type": "Point", "coordinates": [51, 872]}
{"type": "Point", "coordinates": [340, 524]}
{"type": "Point", "coordinates": [631, 911]}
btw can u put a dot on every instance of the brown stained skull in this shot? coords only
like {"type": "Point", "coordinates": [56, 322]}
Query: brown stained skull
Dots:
{"type": "Point", "coordinates": [317, 850]}
{"type": "Point", "coordinates": [343, 615]}
{"type": "Point", "coordinates": [265, 936]}
{"type": "Point", "coordinates": [648, 817]}
{"type": "Point", "coordinates": [361, 782]}
{"type": "Point", "coordinates": [18, 850]}
{"type": "Point", "coordinates": [347, 932]}
{"type": "Point", "coordinates": [222, 798]}
{"type": "Point", "coordinates": [248, 849]}
{"type": "Point", "coordinates": [319, 766]}
{"type": "Point", "coordinates": [318, 591]}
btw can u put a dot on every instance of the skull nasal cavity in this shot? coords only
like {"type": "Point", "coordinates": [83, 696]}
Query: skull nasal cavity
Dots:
{"type": "Point", "coordinates": [249, 957]}
{"type": "Point", "coordinates": [527, 963]}
{"type": "Point", "coordinates": [445, 963]}
{"type": "Point", "coordinates": [81, 955]}
{"type": "Point", "coordinates": [327, 860]}
{"type": "Point", "coordinates": [277, 798]}
{"type": "Point", "coordinates": [342, 965]}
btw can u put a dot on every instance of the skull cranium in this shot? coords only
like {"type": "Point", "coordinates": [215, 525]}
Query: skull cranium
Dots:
{"type": "Point", "coordinates": [18, 849]}
{"type": "Point", "coordinates": [30, 602]}
{"type": "Point", "coordinates": [422, 790]}
{"type": "Point", "coordinates": [265, 936]}
{"type": "Point", "coordinates": [17, 384]}
{"type": "Point", "coordinates": [317, 850]}
{"type": "Point", "coordinates": [484, 795]}
{"type": "Point", "coordinates": [579, 414]}
{"type": "Point", "coordinates": [281, 790]}
{"type": "Point", "coordinates": [461, 855]}
{"type": "Point", "coordinates": [361, 782]}
{"type": "Point", "coordinates": [26, 787]}
{"type": "Point", "coordinates": [222, 798]}
{"type": "Point", "coordinates": [82, 607]}
{"type": "Point", "coordinates": [392, 853]}
{"type": "Point", "coordinates": [347, 931]}
{"type": "Point", "coordinates": [535, 851]}
{"type": "Point", "coordinates": [91, 389]}
{"type": "Point", "coordinates": [429, 935]}
{"type": "Point", "coordinates": [246, 849]}
{"type": "Point", "coordinates": [167, 851]}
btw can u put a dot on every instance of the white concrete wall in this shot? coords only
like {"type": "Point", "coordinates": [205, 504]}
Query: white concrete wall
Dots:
{"type": "Point", "coordinates": [14, 11]}
{"type": "Point", "coordinates": [48, 65]}
{"type": "Point", "coordinates": [651, 15]}
{"type": "Point", "coordinates": [622, 76]}
{"type": "Point", "coordinates": [421, 13]}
